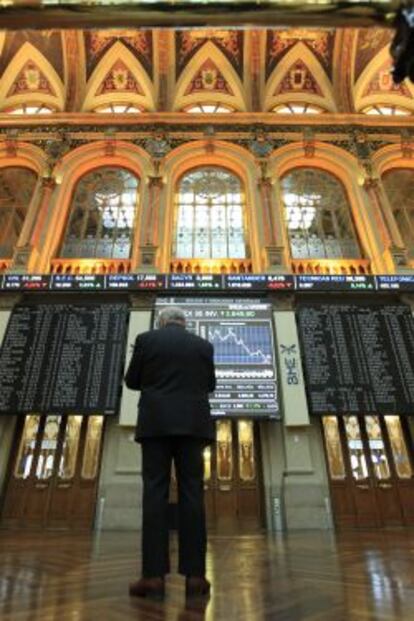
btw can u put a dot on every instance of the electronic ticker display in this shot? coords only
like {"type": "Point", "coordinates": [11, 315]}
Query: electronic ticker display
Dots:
{"type": "Point", "coordinates": [358, 359]}
{"type": "Point", "coordinates": [259, 282]}
{"type": "Point", "coordinates": [135, 281]}
{"type": "Point", "coordinates": [402, 282]}
{"type": "Point", "coordinates": [243, 339]}
{"type": "Point", "coordinates": [335, 282]}
{"type": "Point", "coordinates": [26, 282]}
{"type": "Point", "coordinates": [77, 282]}
{"type": "Point", "coordinates": [194, 281]}
{"type": "Point", "coordinates": [63, 358]}
{"type": "Point", "coordinates": [237, 283]}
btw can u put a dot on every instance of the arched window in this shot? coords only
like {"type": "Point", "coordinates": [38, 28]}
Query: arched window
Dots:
{"type": "Point", "coordinates": [386, 110]}
{"type": "Point", "coordinates": [208, 108]}
{"type": "Point", "coordinates": [16, 190]}
{"type": "Point", "coordinates": [33, 108]}
{"type": "Point", "coordinates": [298, 108]}
{"type": "Point", "coordinates": [210, 216]}
{"type": "Point", "coordinates": [102, 215]}
{"type": "Point", "coordinates": [318, 216]}
{"type": "Point", "coordinates": [399, 186]}
{"type": "Point", "coordinates": [119, 108]}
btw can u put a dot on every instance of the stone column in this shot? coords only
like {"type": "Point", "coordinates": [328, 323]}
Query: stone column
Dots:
{"type": "Point", "coordinates": [120, 484]}
{"type": "Point", "coordinates": [273, 225]}
{"type": "Point", "coordinates": [392, 241]}
{"type": "Point", "coordinates": [40, 229]}
{"type": "Point", "coordinates": [23, 249]}
{"type": "Point", "coordinates": [304, 489]}
{"type": "Point", "coordinates": [151, 227]}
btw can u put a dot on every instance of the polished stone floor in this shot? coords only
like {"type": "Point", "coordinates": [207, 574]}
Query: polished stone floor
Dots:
{"type": "Point", "coordinates": [302, 576]}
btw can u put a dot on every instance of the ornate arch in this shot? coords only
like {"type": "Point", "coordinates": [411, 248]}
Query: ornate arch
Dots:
{"type": "Point", "coordinates": [231, 157]}
{"type": "Point", "coordinates": [75, 165]}
{"type": "Point", "coordinates": [313, 85]}
{"type": "Point", "coordinates": [344, 166]}
{"type": "Point", "coordinates": [31, 77]}
{"type": "Point", "coordinates": [24, 155]}
{"type": "Point", "coordinates": [119, 77]}
{"type": "Point", "coordinates": [375, 85]}
{"type": "Point", "coordinates": [209, 76]}
{"type": "Point", "coordinates": [392, 156]}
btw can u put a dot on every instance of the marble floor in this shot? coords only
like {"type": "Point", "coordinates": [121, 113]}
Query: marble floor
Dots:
{"type": "Point", "coordinates": [301, 576]}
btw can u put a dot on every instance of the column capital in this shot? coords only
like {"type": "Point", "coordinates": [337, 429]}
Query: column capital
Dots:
{"type": "Point", "coordinates": [148, 254]}
{"type": "Point", "coordinates": [155, 181]}
{"type": "Point", "coordinates": [371, 183]}
{"type": "Point", "coordinates": [48, 183]}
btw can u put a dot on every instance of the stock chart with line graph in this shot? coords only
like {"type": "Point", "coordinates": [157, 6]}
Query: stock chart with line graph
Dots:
{"type": "Point", "coordinates": [240, 344]}
{"type": "Point", "coordinates": [241, 332]}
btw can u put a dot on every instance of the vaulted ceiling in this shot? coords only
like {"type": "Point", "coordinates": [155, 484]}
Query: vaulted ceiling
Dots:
{"type": "Point", "coordinates": [343, 71]}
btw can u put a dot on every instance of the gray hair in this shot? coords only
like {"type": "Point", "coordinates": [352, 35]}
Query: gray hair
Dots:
{"type": "Point", "coordinates": [171, 314]}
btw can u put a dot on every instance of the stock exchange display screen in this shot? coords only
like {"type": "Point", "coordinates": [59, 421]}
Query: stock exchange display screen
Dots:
{"type": "Point", "coordinates": [63, 358]}
{"type": "Point", "coordinates": [242, 335]}
{"type": "Point", "coordinates": [358, 359]}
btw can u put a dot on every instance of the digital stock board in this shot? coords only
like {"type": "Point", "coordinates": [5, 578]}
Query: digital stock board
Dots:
{"type": "Point", "coordinates": [243, 340]}
{"type": "Point", "coordinates": [211, 283]}
{"type": "Point", "coordinates": [357, 358]}
{"type": "Point", "coordinates": [63, 358]}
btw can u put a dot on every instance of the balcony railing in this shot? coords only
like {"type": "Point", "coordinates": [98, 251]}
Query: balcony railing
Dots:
{"type": "Point", "coordinates": [211, 266]}
{"type": "Point", "coordinates": [331, 266]}
{"type": "Point", "coordinates": [90, 266]}
{"type": "Point", "coordinates": [5, 264]}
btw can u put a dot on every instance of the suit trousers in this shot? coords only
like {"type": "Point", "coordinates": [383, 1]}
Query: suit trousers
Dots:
{"type": "Point", "coordinates": [157, 457]}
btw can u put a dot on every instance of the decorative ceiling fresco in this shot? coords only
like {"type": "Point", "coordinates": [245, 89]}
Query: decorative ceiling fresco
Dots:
{"type": "Point", "coordinates": [49, 43]}
{"type": "Point", "coordinates": [230, 42]}
{"type": "Point", "coordinates": [99, 42]}
{"type": "Point", "coordinates": [319, 42]}
{"type": "Point", "coordinates": [243, 70]}
{"type": "Point", "coordinates": [368, 43]}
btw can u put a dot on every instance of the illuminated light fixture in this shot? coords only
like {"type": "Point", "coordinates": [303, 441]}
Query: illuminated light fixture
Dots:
{"type": "Point", "coordinates": [208, 108]}
{"type": "Point", "coordinates": [386, 110]}
{"type": "Point", "coordinates": [297, 108]}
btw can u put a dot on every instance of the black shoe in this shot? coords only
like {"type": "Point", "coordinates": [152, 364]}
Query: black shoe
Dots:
{"type": "Point", "coordinates": [152, 588]}
{"type": "Point", "coordinates": [197, 586]}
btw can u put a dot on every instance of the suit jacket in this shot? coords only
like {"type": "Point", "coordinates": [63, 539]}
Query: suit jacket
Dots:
{"type": "Point", "coordinates": [174, 370]}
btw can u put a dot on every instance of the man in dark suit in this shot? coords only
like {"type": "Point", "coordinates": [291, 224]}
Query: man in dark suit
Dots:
{"type": "Point", "coordinates": [174, 370]}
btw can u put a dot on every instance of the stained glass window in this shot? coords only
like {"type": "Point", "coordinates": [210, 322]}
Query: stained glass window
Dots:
{"type": "Point", "coordinates": [399, 447]}
{"type": "Point", "coordinates": [70, 447]}
{"type": "Point", "coordinates": [27, 447]}
{"type": "Point", "coordinates": [247, 466]}
{"type": "Point", "coordinates": [399, 186]}
{"type": "Point", "coordinates": [318, 216]}
{"type": "Point", "coordinates": [333, 447]}
{"type": "Point", "coordinates": [210, 216]}
{"type": "Point", "coordinates": [224, 450]}
{"type": "Point", "coordinates": [379, 457]}
{"type": "Point", "coordinates": [16, 190]}
{"type": "Point", "coordinates": [90, 461]}
{"type": "Point", "coordinates": [102, 215]}
{"type": "Point", "coordinates": [356, 449]}
{"type": "Point", "coordinates": [48, 448]}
